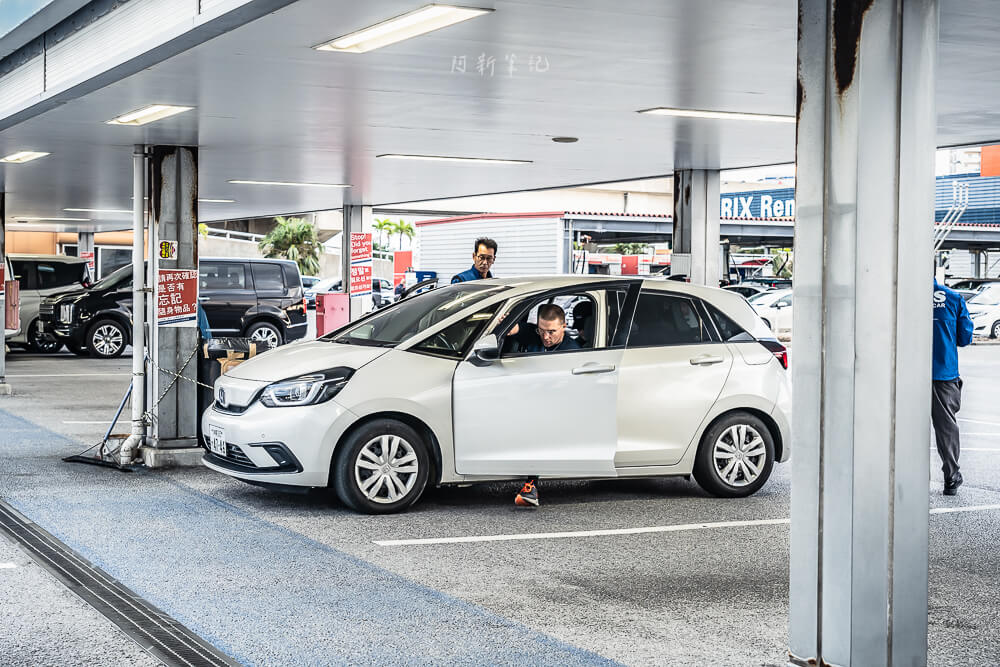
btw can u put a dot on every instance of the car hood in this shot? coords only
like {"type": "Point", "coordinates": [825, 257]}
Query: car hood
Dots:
{"type": "Point", "coordinates": [298, 359]}
{"type": "Point", "coordinates": [71, 293]}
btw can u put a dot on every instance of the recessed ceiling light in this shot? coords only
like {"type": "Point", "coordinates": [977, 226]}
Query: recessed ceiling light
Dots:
{"type": "Point", "coordinates": [294, 184]}
{"type": "Point", "coordinates": [565, 140]}
{"type": "Point", "coordinates": [23, 156]}
{"type": "Point", "coordinates": [23, 219]}
{"type": "Point", "coordinates": [217, 201]}
{"type": "Point", "coordinates": [148, 114]}
{"type": "Point", "coordinates": [418, 22]}
{"type": "Point", "coordinates": [98, 210]}
{"type": "Point", "coordinates": [447, 158]}
{"type": "Point", "coordinates": [723, 115]}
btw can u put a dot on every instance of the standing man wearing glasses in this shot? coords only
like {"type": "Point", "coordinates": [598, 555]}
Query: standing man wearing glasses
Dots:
{"type": "Point", "coordinates": [483, 256]}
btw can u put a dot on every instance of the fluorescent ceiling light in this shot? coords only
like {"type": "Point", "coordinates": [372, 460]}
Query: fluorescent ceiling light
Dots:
{"type": "Point", "coordinates": [723, 115]}
{"type": "Point", "coordinates": [445, 158]}
{"type": "Point", "coordinates": [294, 184]}
{"type": "Point", "coordinates": [97, 210]}
{"type": "Point", "coordinates": [148, 114]}
{"type": "Point", "coordinates": [20, 218]}
{"type": "Point", "coordinates": [418, 22]}
{"type": "Point", "coordinates": [22, 157]}
{"type": "Point", "coordinates": [217, 201]}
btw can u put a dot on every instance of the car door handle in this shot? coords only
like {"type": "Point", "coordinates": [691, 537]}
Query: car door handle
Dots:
{"type": "Point", "coordinates": [590, 369]}
{"type": "Point", "coordinates": [706, 360]}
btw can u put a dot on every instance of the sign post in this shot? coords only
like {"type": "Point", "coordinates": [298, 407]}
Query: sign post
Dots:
{"type": "Point", "coordinates": [361, 269]}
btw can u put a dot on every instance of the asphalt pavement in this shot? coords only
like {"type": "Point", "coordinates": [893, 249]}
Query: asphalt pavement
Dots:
{"type": "Point", "coordinates": [635, 571]}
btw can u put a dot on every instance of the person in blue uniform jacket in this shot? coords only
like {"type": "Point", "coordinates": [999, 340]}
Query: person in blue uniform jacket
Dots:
{"type": "Point", "coordinates": [484, 253]}
{"type": "Point", "coordinates": [952, 329]}
{"type": "Point", "coordinates": [549, 335]}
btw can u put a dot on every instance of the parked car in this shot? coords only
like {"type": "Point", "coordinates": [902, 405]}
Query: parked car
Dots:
{"type": "Point", "coordinates": [967, 294]}
{"type": "Point", "coordinates": [322, 287]}
{"type": "Point", "coordinates": [747, 290]}
{"type": "Point", "coordinates": [257, 298]}
{"type": "Point", "coordinates": [383, 292]}
{"type": "Point", "coordinates": [984, 309]}
{"type": "Point", "coordinates": [41, 276]}
{"type": "Point", "coordinates": [970, 283]}
{"type": "Point", "coordinates": [309, 281]}
{"type": "Point", "coordinates": [675, 379]}
{"type": "Point", "coordinates": [775, 308]}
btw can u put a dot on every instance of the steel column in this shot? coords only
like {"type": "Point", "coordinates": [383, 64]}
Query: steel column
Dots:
{"type": "Point", "coordinates": [138, 400]}
{"type": "Point", "coordinates": [864, 189]}
{"type": "Point", "coordinates": [696, 223]}
{"type": "Point", "coordinates": [4, 387]}
{"type": "Point", "coordinates": [357, 219]}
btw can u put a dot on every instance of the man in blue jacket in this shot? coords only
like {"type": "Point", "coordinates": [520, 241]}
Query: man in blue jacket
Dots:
{"type": "Point", "coordinates": [952, 329]}
{"type": "Point", "coordinates": [483, 255]}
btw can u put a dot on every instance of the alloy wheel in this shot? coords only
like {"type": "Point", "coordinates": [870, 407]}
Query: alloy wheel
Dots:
{"type": "Point", "coordinates": [108, 339]}
{"type": "Point", "coordinates": [996, 330]}
{"type": "Point", "coordinates": [386, 468]}
{"type": "Point", "coordinates": [266, 337]}
{"type": "Point", "coordinates": [739, 455]}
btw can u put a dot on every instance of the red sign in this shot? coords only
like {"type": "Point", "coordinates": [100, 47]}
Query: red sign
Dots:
{"type": "Point", "coordinates": [89, 256]}
{"type": "Point", "coordinates": [177, 297]}
{"type": "Point", "coordinates": [361, 279]}
{"type": "Point", "coordinates": [361, 247]}
{"type": "Point", "coordinates": [1, 278]}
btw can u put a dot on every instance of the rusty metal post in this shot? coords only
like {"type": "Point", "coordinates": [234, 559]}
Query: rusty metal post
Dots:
{"type": "Point", "coordinates": [5, 389]}
{"type": "Point", "coordinates": [865, 210]}
{"type": "Point", "coordinates": [696, 224]}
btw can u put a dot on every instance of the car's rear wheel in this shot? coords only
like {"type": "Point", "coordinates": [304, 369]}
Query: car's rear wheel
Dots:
{"type": "Point", "coordinates": [266, 335]}
{"type": "Point", "coordinates": [106, 339]}
{"type": "Point", "coordinates": [735, 456]}
{"type": "Point", "coordinates": [381, 468]}
{"type": "Point", "coordinates": [995, 330]}
{"type": "Point", "coordinates": [43, 345]}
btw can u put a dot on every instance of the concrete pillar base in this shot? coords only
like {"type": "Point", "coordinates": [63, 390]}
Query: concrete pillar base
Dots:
{"type": "Point", "coordinates": [6, 389]}
{"type": "Point", "coordinates": [153, 457]}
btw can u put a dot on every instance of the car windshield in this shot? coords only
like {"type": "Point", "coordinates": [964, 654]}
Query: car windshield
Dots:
{"type": "Point", "coordinates": [412, 315]}
{"type": "Point", "coordinates": [116, 279]}
{"type": "Point", "coordinates": [762, 297]}
{"type": "Point", "coordinates": [988, 297]}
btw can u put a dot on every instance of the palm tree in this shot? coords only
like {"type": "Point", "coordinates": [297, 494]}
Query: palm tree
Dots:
{"type": "Point", "coordinates": [403, 228]}
{"type": "Point", "coordinates": [384, 226]}
{"type": "Point", "coordinates": [294, 239]}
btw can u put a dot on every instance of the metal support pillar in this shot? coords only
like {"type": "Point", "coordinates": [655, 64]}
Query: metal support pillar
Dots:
{"type": "Point", "coordinates": [85, 248]}
{"type": "Point", "coordinates": [5, 389]}
{"type": "Point", "coordinates": [357, 219]}
{"type": "Point", "coordinates": [862, 322]}
{"type": "Point", "coordinates": [174, 198]}
{"type": "Point", "coordinates": [696, 223]}
{"type": "Point", "coordinates": [977, 262]}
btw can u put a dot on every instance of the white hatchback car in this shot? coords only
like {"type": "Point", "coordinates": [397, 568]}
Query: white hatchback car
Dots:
{"type": "Point", "coordinates": [667, 379]}
{"type": "Point", "coordinates": [775, 308]}
{"type": "Point", "coordinates": [984, 309]}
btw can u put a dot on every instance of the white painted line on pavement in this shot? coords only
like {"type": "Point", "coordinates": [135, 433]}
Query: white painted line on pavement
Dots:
{"type": "Point", "coordinates": [7, 566]}
{"type": "Point", "coordinates": [98, 422]}
{"type": "Point", "coordinates": [976, 421]}
{"type": "Point", "coordinates": [583, 533]}
{"type": "Point", "coordinates": [970, 508]}
{"type": "Point", "coordinates": [68, 375]}
{"type": "Point", "coordinates": [628, 531]}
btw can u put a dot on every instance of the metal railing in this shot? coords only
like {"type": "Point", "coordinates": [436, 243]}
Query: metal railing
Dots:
{"type": "Point", "coordinates": [959, 202]}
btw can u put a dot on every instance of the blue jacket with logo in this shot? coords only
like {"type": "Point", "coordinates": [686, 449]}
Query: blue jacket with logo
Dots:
{"type": "Point", "coordinates": [952, 329]}
{"type": "Point", "coordinates": [471, 274]}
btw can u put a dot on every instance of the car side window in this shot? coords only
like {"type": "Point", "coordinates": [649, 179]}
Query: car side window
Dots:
{"type": "Point", "coordinates": [666, 319]}
{"type": "Point", "coordinates": [580, 310]}
{"type": "Point", "coordinates": [453, 341]}
{"type": "Point", "coordinates": [58, 274]}
{"type": "Point", "coordinates": [222, 276]}
{"type": "Point", "coordinates": [25, 273]}
{"type": "Point", "coordinates": [267, 277]}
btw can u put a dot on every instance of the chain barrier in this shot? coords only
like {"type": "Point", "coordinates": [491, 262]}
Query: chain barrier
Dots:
{"type": "Point", "coordinates": [149, 416]}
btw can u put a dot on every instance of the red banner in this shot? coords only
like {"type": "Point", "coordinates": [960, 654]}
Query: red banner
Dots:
{"type": "Point", "coordinates": [177, 297]}
{"type": "Point", "coordinates": [361, 247]}
{"type": "Point", "coordinates": [361, 279]}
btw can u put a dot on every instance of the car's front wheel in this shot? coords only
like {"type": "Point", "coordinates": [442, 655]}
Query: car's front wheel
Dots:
{"type": "Point", "coordinates": [107, 339]}
{"type": "Point", "coordinates": [995, 330]}
{"type": "Point", "coordinates": [735, 456]}
{"type": "Point", "coordinates": [382, 467]}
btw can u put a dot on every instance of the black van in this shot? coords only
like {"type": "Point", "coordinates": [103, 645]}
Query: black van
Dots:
{"type": "Point", "coordinates": [261, 299]}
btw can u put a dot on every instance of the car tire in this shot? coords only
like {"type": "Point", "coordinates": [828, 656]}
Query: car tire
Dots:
{"type": "Point", "coordinates": [106, 339]}
{"type": "Point", "coordinates": [266, 335]}
{"type": "Point", "coordinates": [364, 456]}
{"type": "Point", "coordinates": [42, 346]}
{"type": "Point", "coordinates": [730, 450]}
{"type": "Point", "coordinates": [995, 330]}
{"type": "Point", "coordinates": [77, 348]}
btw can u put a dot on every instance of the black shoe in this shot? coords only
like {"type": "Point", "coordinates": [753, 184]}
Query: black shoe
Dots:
{"type": "Point", "coordinates": [528, 497]}
{"type": "Point", "coordinates": [951, 487]}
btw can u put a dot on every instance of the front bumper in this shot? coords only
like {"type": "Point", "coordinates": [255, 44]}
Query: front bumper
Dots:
{"type": "Point", "coordinates": [255, 439]}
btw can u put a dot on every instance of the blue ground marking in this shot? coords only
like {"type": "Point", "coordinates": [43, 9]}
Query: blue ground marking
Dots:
{"type": "Point", "coordinates": [262, 593]}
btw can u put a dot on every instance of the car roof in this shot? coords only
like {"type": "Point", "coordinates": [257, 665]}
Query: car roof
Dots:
{"type": "Point", "coordinates": [47, 258]}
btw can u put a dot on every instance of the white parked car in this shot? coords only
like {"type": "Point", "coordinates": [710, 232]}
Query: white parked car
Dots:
{"type": "Point", "coordinates": [775, 308]}
{"type": "Point", "coordinates": [663, 378]}
{"type": "Point", "coordinates": [984, 309]}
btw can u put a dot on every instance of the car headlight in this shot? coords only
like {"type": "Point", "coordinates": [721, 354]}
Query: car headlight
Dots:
{"type": "Point", "coordinates": [306, 389]}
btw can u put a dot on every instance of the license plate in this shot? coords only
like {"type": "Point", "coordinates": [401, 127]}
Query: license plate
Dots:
{"type": "Point", "coordinates": [217, 440]}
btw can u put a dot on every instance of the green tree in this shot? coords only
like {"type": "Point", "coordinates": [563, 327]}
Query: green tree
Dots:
{"type": "Point", "coordinates": [403, 228]}
{"type": "Point", "coordinates": [294, 239]}
{"type": "Point", "coordinates": [385, 227]}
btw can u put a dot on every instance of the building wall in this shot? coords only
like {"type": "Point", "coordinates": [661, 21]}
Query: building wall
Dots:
{"type": "Point", "coordinates": [38, 243]}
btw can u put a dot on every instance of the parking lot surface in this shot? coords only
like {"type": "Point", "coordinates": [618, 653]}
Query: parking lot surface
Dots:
{"type": "Point", "coordinates": [643, 572]}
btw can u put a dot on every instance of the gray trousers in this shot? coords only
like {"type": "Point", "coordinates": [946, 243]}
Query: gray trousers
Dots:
{"type": "Point", "coordinates": [946, 401]}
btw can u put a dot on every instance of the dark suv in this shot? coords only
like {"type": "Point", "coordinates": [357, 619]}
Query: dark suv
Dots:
{"type": "Point", "coordinates": [258, 298]}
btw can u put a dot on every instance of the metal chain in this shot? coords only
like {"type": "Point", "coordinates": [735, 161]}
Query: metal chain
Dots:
{"type": "Point", "coordinates": [149, 415]}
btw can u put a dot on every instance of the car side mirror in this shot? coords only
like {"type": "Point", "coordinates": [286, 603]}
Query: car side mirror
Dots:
{"type": "Point", "coordinates": [486, 350]}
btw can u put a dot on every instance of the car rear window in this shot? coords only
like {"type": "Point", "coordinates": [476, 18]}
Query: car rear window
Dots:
{"type": "Point", "coordinates": [267, 277]}
{"type": "Point", "coordinates": [730, 331]}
